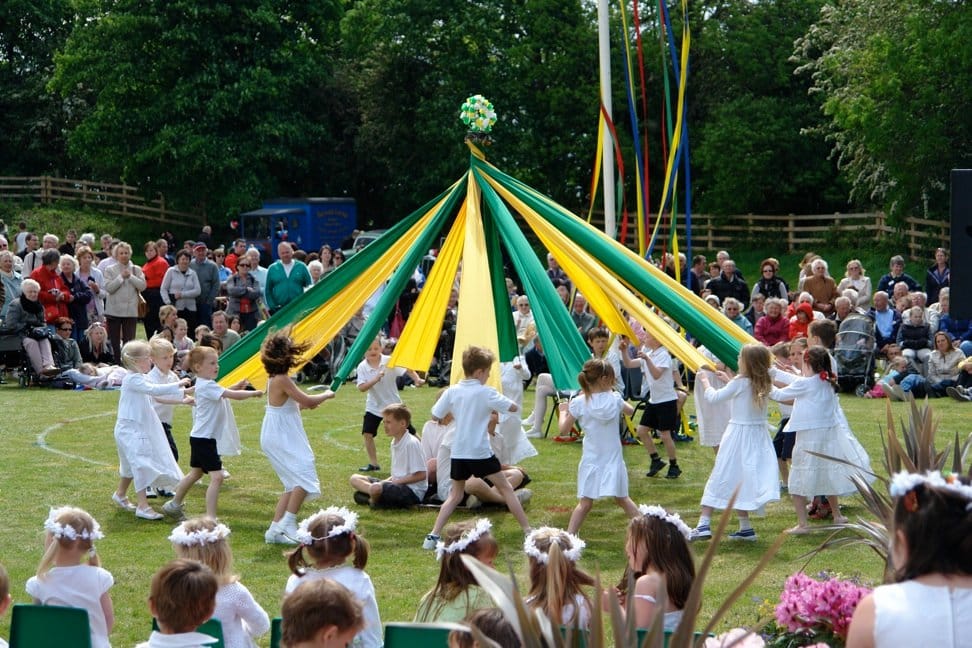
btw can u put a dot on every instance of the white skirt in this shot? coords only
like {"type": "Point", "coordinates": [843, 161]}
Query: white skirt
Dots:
{"type": "Point", "coordinates": [284, 441]}
{"type": "Point", "coordinates": [746, 459]}
{"type": "Point", "coordinates": [811, 475]}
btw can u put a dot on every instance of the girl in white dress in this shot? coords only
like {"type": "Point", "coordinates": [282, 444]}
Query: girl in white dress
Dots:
{"type": "Point", "coordinates": [659, 556]}
{"type": "Point", "coordinates": [930, 604]}
{"type": "Point", "coordinates": [746, 458]}
{"type": "Point", "coordinates": [601, 472]}
{"type": "Point", "coordinates": [70, 572]}
{"type": "Point", "coordinates": [327, 539]}
{"type": "Point", "coordinates": [713, 416]}
{"type": "Point", "coordinates": [511, 445]}
{"type": "Point", "coordinates": [282, 437]}
{"type": "Point", "coordinates": [820, 427]}
{"type": "Point", "coordinates": [555, 578]}
{"type": "Point", "coordinates": [144, 455]}
{"type": "Point", "coordinates": [205, 540]}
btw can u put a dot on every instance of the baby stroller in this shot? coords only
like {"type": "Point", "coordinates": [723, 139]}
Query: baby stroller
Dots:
{"type": "Point", "coordinates": [854, 352]}
{"type": "Point", "coordinates": [324, 366]}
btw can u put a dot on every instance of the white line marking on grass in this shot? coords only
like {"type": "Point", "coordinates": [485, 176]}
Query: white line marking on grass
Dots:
{"type": "Point", "coordinates": [330, 439]}
{"type": "Point", "coordinates": [42, 440]}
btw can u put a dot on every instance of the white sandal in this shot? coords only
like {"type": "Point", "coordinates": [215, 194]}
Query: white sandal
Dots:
{"type": "Point", "coordinates": [123, 503]}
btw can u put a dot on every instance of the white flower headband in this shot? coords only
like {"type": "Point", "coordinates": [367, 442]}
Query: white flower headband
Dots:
{"type": "Point", "coordinates": [572, 554]}
{"type": "Point", "coordinates": [672, 518]}
{"type": "Point", "coordinates": [184, 538]}
{"type": "Point", "coordinates": [905, 482]}
{"type": "Point", "coordinates": [58, 530]}
{"type": "Point", "coordinates": [305, 537]}
{"type": "Point", "coordinates": [482, 527]}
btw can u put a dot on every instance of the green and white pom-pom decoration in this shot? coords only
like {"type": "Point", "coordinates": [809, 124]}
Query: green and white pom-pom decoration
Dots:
{"type": "Point", "coordinates": [478, 114]}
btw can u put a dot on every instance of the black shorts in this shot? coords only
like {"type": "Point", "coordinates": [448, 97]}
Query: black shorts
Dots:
{"type": "Point", "coordinates": [171, 440]}
{"type": "Point", "coordinates": [661, 416]}
{"type": "Point", "coordinates": [463, 469]}
{"type": "Point", "coordinates": [203, 455]}
{"type": "Point", "coordinates": [783, 441]}
{"type": "Point", "coordinates": [397, 496]}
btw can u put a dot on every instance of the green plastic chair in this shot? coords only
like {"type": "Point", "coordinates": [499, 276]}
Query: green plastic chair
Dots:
{"type": "Point", "coordinates": [213, 628]}
{"type": "Point", "coordinates": [276, 632]}
{"type": "Point", "coordinates": [49, 626]}
{"type": "Point", "coordinates": [417, 635]}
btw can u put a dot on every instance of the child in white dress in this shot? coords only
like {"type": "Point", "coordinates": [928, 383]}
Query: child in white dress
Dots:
{"type": "Point", "coordinates": [327, 539]}
{"type": "Point", "coordinates": [553, 555]}
{"type": "Point", "coordinates": [601, 472]}
{"type": "Point", "coordinates": [163, 356]}
{"type": "Point", "coordinates": [510, 444]}
{"type": "Point", "coordinates": [70, 572]}
{"type": "Point", "coordinates": [214, 433]}
{"type": "Point", "coordinates": [930, 602]}
{"type": "Point", "coordinates": [205, 540]}
{"type": "Point", "coordinates": [746, 459]}
{"type": "Point", "coordinates": [713, 416]}
{"type": "Point", "coordinates": [282, 436]}
{"type": "Point", "coordinates": [819, 427]}
{"type": "Point", "coordinates": [143, 453]}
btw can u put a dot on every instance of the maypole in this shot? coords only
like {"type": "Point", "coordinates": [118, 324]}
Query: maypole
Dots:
{"type": "Point", "coordinates": [604, 55]}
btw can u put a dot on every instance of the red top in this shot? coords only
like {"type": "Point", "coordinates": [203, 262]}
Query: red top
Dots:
{"type": "Point", "coordinates": [54, 306]}
{"type": "Point", "coordinates": [154, 271]}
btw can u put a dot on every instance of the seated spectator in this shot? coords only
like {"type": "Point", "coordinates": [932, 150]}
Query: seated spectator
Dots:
{"type": "Point", "coordinates": [526, 329]}
{"type": "Point", "coordinates": [843, 308]}
{"type": "Point", "coordinates": [25, 317]}
{"type": "Point", "coordinates": [806, 269]}
{"type": "Point", "coordinates": [773, 328]}
{"type": "Point", "coordinates": [65, 350]}
{"type": "Point", "coordinates": [886, 321]}
{"type": "Point", "coordinates": [584, 320]}
{"type": "Point", "coordinates": [943, 372]}
{"type": "Point", "coordinates": [729, 284]}
{"type": "Point", "coordinates": [934, 312]}
{"type": "Point", "coordinates": [821, 285]}
{"type": "Point", "coordinates": [770, 284]}
{"type": "Point", "coordinates": [95, 347]}
{"type": "Point", "coordinates": [915, 339]}
{"type": "Point", "coordinates": [494, 625]}
{"type": "Point", "coordinates": [732, 309]}
{"type": "Point", "coordinates": [757, 306]}
{"type": "Point", "coordinates": [855, 277]}
{"type": "Point", "coordinates": [800, 322]}
{"type": "Point", "coordinates": [962, 391]}
{"type": "Point", "coordinates": [536, 361]}
{"type": "Point", "coordinates": [897, 275]}
{"type": "Point", "coordinates": [556, 273]}
{"type": "Point", "coordinates": [97, 377]}
{"type": "Point", "coordinates": [699, 276]}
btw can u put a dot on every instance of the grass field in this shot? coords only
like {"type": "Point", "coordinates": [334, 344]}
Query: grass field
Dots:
{"type": "Point", "coordinates": [58, 449]}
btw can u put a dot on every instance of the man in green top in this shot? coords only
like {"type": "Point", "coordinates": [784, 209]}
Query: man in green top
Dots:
{"type": "Point", "coordinates": [286, 278]}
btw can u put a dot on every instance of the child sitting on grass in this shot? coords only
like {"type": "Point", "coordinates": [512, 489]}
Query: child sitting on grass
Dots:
{"type": "Point", "coordinates": [408, 482]}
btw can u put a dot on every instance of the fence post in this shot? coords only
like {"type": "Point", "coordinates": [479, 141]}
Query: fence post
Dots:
{"type": "Point", "coordinates": [85, 188]}
{"type": "Point", "coordinates": [45, 190]}
{"type": "Point", "coordinates": [161, 208]}
{"type": "Point", "coordinates": [790, 233]}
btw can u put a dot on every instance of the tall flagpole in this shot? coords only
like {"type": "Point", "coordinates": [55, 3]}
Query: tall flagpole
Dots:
{"type": "Point", "coordinates": [604, 54]}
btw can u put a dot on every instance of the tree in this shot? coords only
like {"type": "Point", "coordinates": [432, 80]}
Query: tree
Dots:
{"type": "Point", "coordinates": [896, 86]}
{"type": "Point", "coordinates": [214, 105]}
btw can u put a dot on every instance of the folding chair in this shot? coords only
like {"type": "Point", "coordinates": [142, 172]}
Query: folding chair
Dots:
{"type": "Point", "coordinates": [49, 626]}
{"type": "Point", "coordinates": [418, 635]}
{"type": "Point", "coordinates": [213, 628]}
{"type": "Point", "coordinates": [554, 417]}
{"type": "Point", "coordinates": [276, 632]}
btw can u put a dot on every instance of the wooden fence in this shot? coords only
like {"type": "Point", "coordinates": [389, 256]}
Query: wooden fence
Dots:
{"type": "Point", "coordinates": [122, 200]}
{"type": "Point", "coordinates": [799, 233]}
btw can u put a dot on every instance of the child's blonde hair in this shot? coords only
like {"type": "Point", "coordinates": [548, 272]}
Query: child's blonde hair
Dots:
{"type": "Point", "coordinates": [754, 363]}
{"type": "Point", "coordinates": [555, 579]}
{"type": "Point", "coordinates": [133, 351]}
{"type": "Point", "coordinates": [315, 605]}
{"type": "Point", "coordinates": [324, 542]}
{"type": "Point", "coordinates": [594, 370]}
{"type": "Point", "coordinates": [69, 527]}
{"type": "Point", "coordinates": [399, 412]}
{"type": "Point", "coordinates": [475, 358]}
{"type": "Point", "coordinates": [159, 347]}
{"type": "Point", "coordinates": [198, 355]}
{"type": "Point", "coordinates": [205, 540]}
{"type": "Point", "coordinates": [469, 537]}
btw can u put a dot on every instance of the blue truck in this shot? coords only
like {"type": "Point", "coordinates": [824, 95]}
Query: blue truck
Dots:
{"type": "Point", "coordinates": [307, 222]}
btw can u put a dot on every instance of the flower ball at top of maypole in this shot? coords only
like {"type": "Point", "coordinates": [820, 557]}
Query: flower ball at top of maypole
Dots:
{"type": "Point", "coordinates": [478, 115]}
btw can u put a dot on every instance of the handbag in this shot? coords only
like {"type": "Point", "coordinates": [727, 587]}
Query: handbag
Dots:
{"type": "Point", "coordinates": [39, 333]}
{"type": "Point", "coordinates": [397, 324]}
{"type": "Point", "coordinates": [142, 306]}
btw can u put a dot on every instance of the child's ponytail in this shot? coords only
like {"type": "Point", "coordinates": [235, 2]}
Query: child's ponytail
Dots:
{"type": "Point", "coordinates": [361, 549]}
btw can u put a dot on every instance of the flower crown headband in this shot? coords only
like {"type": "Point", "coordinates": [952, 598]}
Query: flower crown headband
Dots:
{"type": "Point", "coordinates": [672, 518]}
{"type": "Point", "coordinates": [305, 537]}
{"type": "Point", "coordinates": [482, 527]}
{"type": "Point", "coordinates": [572, 554]}
{"type": "Point", "coordinates": [184, 538]}
{"type": "Point", "coordinates": [904, 483]}
{"type": "Point", "coordinates": [58, 530]}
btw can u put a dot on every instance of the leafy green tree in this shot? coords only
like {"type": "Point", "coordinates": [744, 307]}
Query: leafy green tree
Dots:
{"type": "Point", "coordinates": [896, 85]}
{"type": "Point", "coordinates": [215, 105]}
{"type": "Point", "coordinates": [755, 147]}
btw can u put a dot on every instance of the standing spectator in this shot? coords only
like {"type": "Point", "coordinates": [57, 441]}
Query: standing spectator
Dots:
{"type": "Point", "coordinates": [154, 269]}
{"type": "Point", "coordinates": [219, 258]}
{"type": "Point", "coordinates": [70, 240]}
{"type": "Point", "coordinates": [34, 258]}
{"type": "Point", "coordinates": [258, 272]}
{"type": "Point", "coordinates": [180, 287]}
{"type": "Point", "coordinates": [123, 282]}
{"type": "Point", "coordinates": [326, 257]}
{"type": "Point", "coordinates": [770, 284]}
{"type": "Point", "coordinates": [10, 281]}
{"type": "Point", "coordinates": [584, 320]}
{"type": "Point", "coordinates": [31, 243]}
{"type": "Point", "coordinates": [856, 278]}
{"type": "Point", "coordinates": [95, 281]}
{"type": "Point", "coordinates": [523, 324]}
{"type": "Point", "coordinates": [54, 294]}
{"type": "Point", "coordinates": [205, 236]}
{"type": "Point", "coordinates": [729, 284]}
{"type": "Point", "coordinates": [208, 274]}
{"type": "Point", "coordinates": [105, 252]}
{"type": "Point", "coordinates": [886, 321]}
{"type": "Point", "coordinates": [773, 328]}
{"type": "Point", "coordinates": [162, 246]}
{"type": "Point", "coordinates": [235, 254]}
{"type": "Point", "coordinates": [822, 286]}
{"type": "Point", "coordinates": [555, 272]}
{"type": "Point", "coordinates": [243, 293]}
{"type": "Point", "coordinates": [937, 276]}
{"type": "Point", "coordinates": [286, 278]}
{"type": "Point", "coordinates": [896, 275]}
{"type": "Point", "coordinates": [699, 273]}
{"type": "Point", "coordinates": [20, 241]}
{"type": "Point", "coordinates": [80, 296]}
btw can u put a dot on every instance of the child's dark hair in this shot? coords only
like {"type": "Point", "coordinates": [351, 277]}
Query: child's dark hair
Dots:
{"type": "Point", "coordinates": [824, 330]}
{"type": "Point", "coordinates": [667, 551]}
{"type": "Point", "coordinates": [937, 527]}
{"type": "Point", "coordinates": [475, 358]}
{"type": "Point", "coordinates": [318, 604]}
{"type": "Point", "coordinates": [183, 595]}
{"type": "Point", "coordinates": [323, 549]}
{"type": "Point", "coordinates": [399, 412]}
{"type": "Point", "coordinates": [280, 353]}
{"type": "Point", "coordinates": [492, 623]}
{"type": "Point", "coordinates": [4, 584]}
{"type": "Point", "coordinates": [454, 577]}
{"type": "Point", "coordinates": [211, 341]}
{"type": "Point", "coordinates": [819, 359]}
{"type": "Point", "coordinates": [594, 370]}
{"type": "Point", "coordinates": [598, 332]}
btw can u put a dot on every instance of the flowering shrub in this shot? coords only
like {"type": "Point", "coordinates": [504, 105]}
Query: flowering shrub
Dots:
{"type": "Point", "coordinates": [814, 611]}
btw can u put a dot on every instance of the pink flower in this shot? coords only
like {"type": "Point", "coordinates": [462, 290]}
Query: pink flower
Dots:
{"type": "Point", "coordinates": [735, 639]}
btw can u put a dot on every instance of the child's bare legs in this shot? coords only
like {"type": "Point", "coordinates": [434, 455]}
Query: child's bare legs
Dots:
{"type": "Point", "coordinates": [369, 444]}
{"type": "Point", "coordinates": [628, 506]}
{"type": "Point", "coordinates": [122, 493]}
{"type": "Point", "coordinates": [367, 485]}
{"type": "Point", "coordinates": [666, 437]}
{"type": "Point", "coordinates": [449, 506]}
{"type": "Point", "coordinates": [502, 484]}
{"type": "Point", "coordinates": [644, 435]}
{"type": "Point", "coordinates": [194, 475]}
{"type": "Point", "coordinates": [289, 503]}
{"type": "Point", "coordinates": [488, 494]}
{"type": "Point", "coordinates": [583, 507]}
{"type": "Point", "coordinates": [800, 506]}
{"type": "Point", "coordinates": [835, 508]}
{"type": "Point", "coordinates": [784, 470]}
{"type": "Point", "coordinates": [212, 492]}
